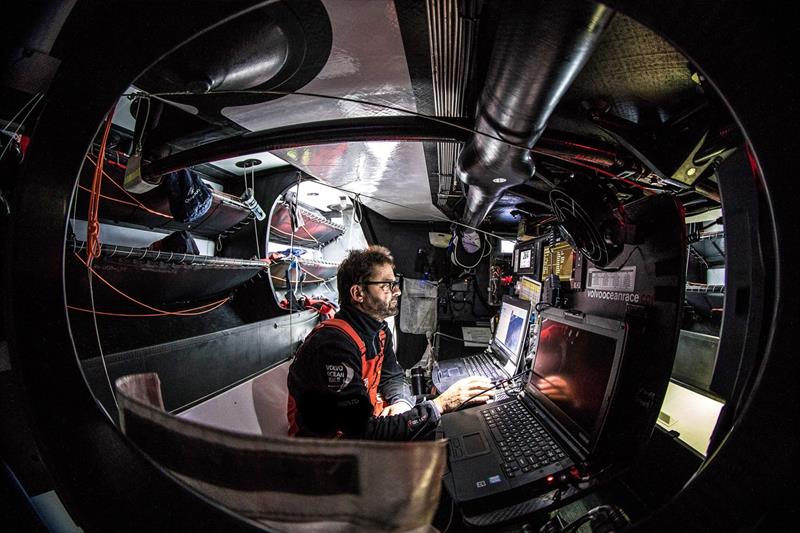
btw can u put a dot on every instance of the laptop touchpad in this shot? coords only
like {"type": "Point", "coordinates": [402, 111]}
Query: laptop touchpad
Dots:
{"type": "Point", "coordinates": [473, 443]}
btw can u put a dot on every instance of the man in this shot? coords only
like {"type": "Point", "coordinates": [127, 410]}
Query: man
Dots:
{"type": "Point", "coordinates": [345, 380]}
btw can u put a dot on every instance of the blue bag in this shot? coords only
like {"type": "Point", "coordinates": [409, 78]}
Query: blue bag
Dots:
{"type": "Point", "coordinates": [189, 196]}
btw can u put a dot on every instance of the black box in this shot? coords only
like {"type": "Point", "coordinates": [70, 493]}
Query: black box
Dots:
{"type": "Point", "coordinates": [528, 258]}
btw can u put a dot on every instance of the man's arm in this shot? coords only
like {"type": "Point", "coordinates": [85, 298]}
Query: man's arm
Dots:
{"type": "Point", "coordinates": [326, 384]}
{"type": "Point", "coordinates": [393, 386]}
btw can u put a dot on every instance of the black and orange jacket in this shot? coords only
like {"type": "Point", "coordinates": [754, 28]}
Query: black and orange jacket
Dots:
{"type": "Point", "coordinates": [334, 383]}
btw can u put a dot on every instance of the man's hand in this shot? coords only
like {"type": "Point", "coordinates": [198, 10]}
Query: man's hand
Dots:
{"type": "Point", "coordinates": [395, 409]}
{"type": "Point", "coordinates": [464, 389]}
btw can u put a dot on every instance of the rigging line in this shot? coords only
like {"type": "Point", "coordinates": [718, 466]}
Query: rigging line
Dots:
{"type": "Point", "coordinates": [121, 188]}
{"type": "Point", "coordinates": [99, 342]}
{"type": "Point", "coordinates": [217, 304]}
{"type": "Point", "coordinates": [255, 221]}
{"type": "Point", "coordinates": [290, 293]}
{"type": "Point", "coordinates": [312, 274]}
{"type": "Point", "coordinates": [355, 101]}
{"type": "Point", "coordinates": [253, 189]}
{"type": "Point", "coordinates": [125, 202]}
{"type": "Point", "coordinates": [278, 230]}
{"type": "Point", "coordinates": [326, 283]}
{"type": "Point", "coordinates": [310, 235]}
{"type": "Point", "coordinates": [140, 141]}
{"type": "Point", "coordinates": [437, 217]}
{"type": "Point", "coordinates": [21, 122]}
{"type": "Point", "coordinates": [36, 96]}
{"type": "Point", "coordinates": [474, 131]}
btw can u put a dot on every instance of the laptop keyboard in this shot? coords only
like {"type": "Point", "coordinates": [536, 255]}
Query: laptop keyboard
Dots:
{"type": "Point", "coordinates": [523, 443]}
{"type": "Point", "coordinates": [481, 365]}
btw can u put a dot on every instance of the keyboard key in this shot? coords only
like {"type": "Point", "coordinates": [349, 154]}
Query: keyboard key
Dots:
{"type": "Point", "coordinates": [524, 444]}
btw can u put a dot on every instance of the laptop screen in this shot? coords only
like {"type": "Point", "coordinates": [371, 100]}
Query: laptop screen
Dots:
{"type": "Point", "coordinates": [574, 370]}
{"type": "Point", "coordinates": [512, 328]}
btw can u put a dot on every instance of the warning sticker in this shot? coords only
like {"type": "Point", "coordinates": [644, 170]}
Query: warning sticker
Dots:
{"type": "Point", "coordinates": [622, 280]}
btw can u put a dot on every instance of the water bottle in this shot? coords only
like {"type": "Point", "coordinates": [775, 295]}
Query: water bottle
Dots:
{"type": "Point", "coordinates": [418, 381]}
{"type": "Point", "coordinates": [250, 202]}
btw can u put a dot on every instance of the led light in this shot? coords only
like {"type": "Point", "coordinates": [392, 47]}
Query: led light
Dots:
{"type": "Point", "coordinates": [499, 180]}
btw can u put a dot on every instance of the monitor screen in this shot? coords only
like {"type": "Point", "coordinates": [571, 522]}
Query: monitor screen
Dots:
{"type": "Point", "coordinates": [512, 328]}
{"type": "Point", "coordinates": [506, 247]}
{"type": "Point", "coordinates": [574, 370]}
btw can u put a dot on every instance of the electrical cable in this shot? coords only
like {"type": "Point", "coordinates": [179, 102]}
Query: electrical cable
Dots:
{"type": "Point", "coordinates": [452, 512]}
{"type": "Point", "coordinates": [616, 269]}
{"type": "Point", "coordinates": [437, 333]}
{"type": "Point", "coordinates": [494, 386]}
{"type": "Point", "coordinates": [610, 515]}
{"type": "Point", "coordinates": [454, 254]}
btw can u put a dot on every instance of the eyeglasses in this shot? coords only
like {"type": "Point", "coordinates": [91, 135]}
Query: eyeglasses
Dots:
{"type": "Point", "coordinates": [388, 286]}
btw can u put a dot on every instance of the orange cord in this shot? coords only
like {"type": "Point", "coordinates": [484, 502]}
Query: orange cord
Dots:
{"type": "Point", "coordinates": [296, 236]}
{"type": "Point", "coordinates": [134, 204]}
{"type": "Point", "coordinates": [144, 315]}
{"type": "Point", "coordinates": [185, 312]}
{"type": "Point", "coordinates": [93, 224]}
{"type": "Point", "coordinates": [93, 248]}
{"type": "Point", "coordinates": [121, 188]}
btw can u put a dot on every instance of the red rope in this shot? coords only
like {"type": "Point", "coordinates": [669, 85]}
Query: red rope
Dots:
{"type": "Point", "coordinates": [93, 224]}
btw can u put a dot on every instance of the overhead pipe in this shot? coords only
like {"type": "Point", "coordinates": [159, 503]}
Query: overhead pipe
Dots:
{"type": "Point", "coordinates": [540, 46]}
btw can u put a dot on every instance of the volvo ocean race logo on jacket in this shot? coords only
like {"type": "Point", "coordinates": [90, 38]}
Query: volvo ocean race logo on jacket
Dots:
{"type": "Point", "coordinates": [339, 376]}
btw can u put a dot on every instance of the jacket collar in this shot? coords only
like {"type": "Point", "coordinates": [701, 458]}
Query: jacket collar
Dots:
{"type": "Point", "coordinates": [365, 325]}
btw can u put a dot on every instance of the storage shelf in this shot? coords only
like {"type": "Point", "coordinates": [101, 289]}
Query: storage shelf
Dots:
{"type": "Point", "coordinates": [317, 231]}
{"type": "Point", "coordinates": [151, 209]}
{"type": "Point", "coordinates": [154, 277]}
{"type": "Point", "coordinates": [315, 272]}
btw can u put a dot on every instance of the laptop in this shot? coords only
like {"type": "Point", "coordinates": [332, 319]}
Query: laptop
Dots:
{"type": "Point", "coordinates": [526, 442]}
{"type": "Point", "coordinates": [501, 359]}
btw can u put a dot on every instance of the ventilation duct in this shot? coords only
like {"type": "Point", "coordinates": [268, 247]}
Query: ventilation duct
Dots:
{"type": "Point", "coordinates": [539, 49]}
{"type": "Point", "coordinates": [452, 41]}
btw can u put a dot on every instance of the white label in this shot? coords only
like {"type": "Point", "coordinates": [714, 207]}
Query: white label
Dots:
{"type": "Point", "coordinates": [622, 280]}
{"type": "Point", "coordinates": [525, 259]}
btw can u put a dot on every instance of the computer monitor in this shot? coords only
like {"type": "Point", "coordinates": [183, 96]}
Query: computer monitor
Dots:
{"type": "Point", "coordinates": [512, 329]}
{"type": "Point", "coordinates": [575, 370]}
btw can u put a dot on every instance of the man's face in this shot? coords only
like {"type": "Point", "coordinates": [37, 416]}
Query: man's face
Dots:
{"type": "Point", "coordinates": [380, 300]}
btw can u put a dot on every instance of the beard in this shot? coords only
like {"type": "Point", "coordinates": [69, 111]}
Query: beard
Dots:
{"type": "Point", "coordinates": [380, 309]}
